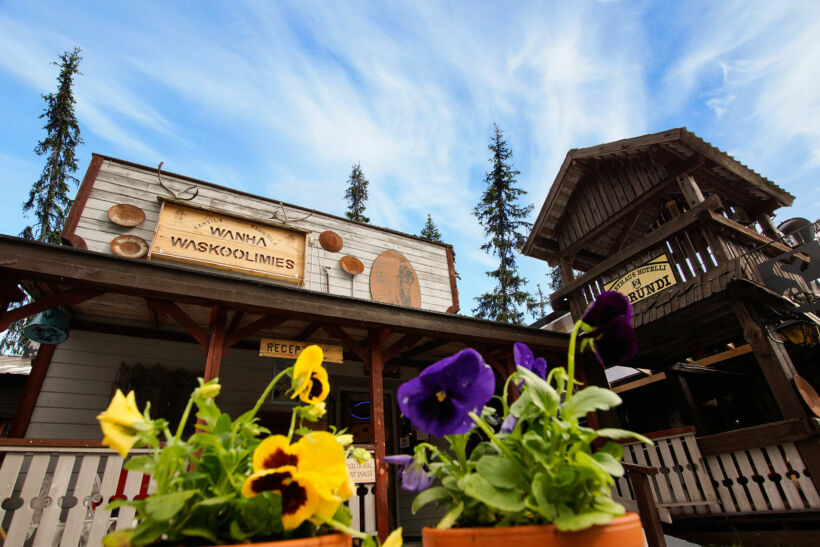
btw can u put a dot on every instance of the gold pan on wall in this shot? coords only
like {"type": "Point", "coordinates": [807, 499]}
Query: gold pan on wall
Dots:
{"type": "Point", "coordinates": [129, 246]}
{"type": "Point", "coordinates": [351, 265]}
{"type": "Point", "coordinates": [126, 215]}
{"type": "Point", "coordinates": [330, 241]}
{"type": "Point", "coordinates": [393, 280]}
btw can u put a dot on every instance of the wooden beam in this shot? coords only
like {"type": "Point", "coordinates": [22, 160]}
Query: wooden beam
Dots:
{"type": "Point", "coordinates": [786, 431]}
{"type": "Point", "coordinates": [424, 348]}
{"type": "Point", "coordinates": [639, 383]}
{"type": "Point", "coordinates": [216, 341]}
{"type": "Point", "coordinates": [236, 320]}
{"type": "Point", "coordinates": [659, 235]}
{"type": "Point", "coordinates": [9, 288]}
{"type": "Point", "coordinates": [647, 508]}
{"type": "Point", "coordinates": [65, 298]}
{"type": "Point", "coordinates": [34, 383]}
{"type": "Point", "coordinates": [173, 311]}
{"type": "Point", "coordinates": [266, 322]}
{"type": "Point", "coordinates": [774, 361]}
{"type": "Point", "coordinates": [308, 331]}
{"type": "Point", "coordinates": [403, 342]}
{"type": "Point", "coordinates": [379, 437]}
{"type": "Point", "coordinates": [338, 332]}
{"type": "Point", "coordinates": [724, 355]}
{"type": "Point", "coordinates": [658, 189]}
{"type": "Point", "coordinates": [628, 227]}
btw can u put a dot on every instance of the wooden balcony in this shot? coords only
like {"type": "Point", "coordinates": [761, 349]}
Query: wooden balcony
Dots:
{"type": "Point", "coordinates": [708, 252]}
{"type": "Point", "coordinates": [55, 493]}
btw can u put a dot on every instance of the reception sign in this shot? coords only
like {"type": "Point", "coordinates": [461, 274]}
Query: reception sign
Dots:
{"type": "Point", "coordinates": [645, 280]}
{"type": "Point", "coordinates": [221, 241]}
{"type": "Point", "coordinates": [288, 349]}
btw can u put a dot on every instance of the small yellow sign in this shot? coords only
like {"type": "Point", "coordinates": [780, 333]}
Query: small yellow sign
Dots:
{"type": "Point", "coordinates": [288, 349]}
{"type": "Point", "coordinates": [362, 472]}
{"type": "Point", "coordinates": [645, 280]}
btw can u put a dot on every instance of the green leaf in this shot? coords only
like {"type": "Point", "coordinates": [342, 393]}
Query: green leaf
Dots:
{"type": "Point", "coordinates": [614, 433]}
{"type": "Point", "coordinates": [616, 450]}
{"type": "Point", "coordinates": [603, 503]}
{"type": "Point", "coordinates": [451, 517]}
{"type": "Point", "coordinates": [586, 462]}
{"type": "Point", "coordinates": [609, 463]}
{"type": "Point", "coordinates": [541, 393]}
{"type": "Point", "coordinates": [501, 472]}
{"type": "Point", "coordinates": [143, 464]}
{"type": "Point", "coordinates": [148, 531]}
{"type": "Point", "coordinates": [431, 494]}
{"type": "Point", "coordinates": [203, 533]}
{"type": "Point", "coordinates": [118, 538]}
{"type": "Point", "coordinates": [587, 400]}
{"type": "Point", "coordinates": [568, 521]}
{"type": "Point", "coordinates": [163, 507]}
{"type": "Point", "coordinates": [479, 488]}
{"type": "Point", "coordinates": [219, 500]}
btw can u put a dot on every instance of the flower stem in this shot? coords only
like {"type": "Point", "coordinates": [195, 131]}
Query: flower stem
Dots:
{"type": "Point", "coordinates": [184, 419]}
{"type": "Point", "coordinates": [264, 396]}
{"type": "Point", "coordinates": [339, 526]}
{"type": "Point", "coordinates": [571, 360]}
{"type": "Point", "coordinates": [486, 429]}
{"type": "Point", "coordinates": [292, 425]}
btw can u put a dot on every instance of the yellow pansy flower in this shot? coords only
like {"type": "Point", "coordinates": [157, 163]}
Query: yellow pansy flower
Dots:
{"type": "Point", "coordinates": [394, 539]}
{"type": "Point", "coordinates": [300, 497]}
{"type": "Point", "coordinates": [274, 452]}
{"type": "Point", "coordinates": [117, 423]}
{"type": "Point", "coordinates": [309, 377]}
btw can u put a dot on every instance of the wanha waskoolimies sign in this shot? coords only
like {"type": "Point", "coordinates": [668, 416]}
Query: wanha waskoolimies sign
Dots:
{"type": "Point", "coordinates": [221, 241]}
{"type": "Point", "coordinates": [645, 280]}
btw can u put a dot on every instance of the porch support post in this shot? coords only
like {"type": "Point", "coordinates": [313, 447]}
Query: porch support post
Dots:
{"type": "Point", "coordinates": [376, 338]}
{"type": "Point", "coordinates": [25, 408]}
{"type": "Point", "coordinates": [215, 342]}
{"type": "Point", "coordinates": [773, 359]}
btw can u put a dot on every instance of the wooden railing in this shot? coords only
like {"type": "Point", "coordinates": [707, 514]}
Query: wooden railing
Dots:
{"type": "Point", "coordinates": [688, 241]}
{"type": "Point", "coordinates": [736, 480]}
{"type": "Point", "coordinates": [56, 492]}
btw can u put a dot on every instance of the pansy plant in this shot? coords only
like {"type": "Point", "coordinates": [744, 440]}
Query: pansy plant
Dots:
{"type": "Point", "coordinates": [535, 463]}
{"type": "Point", "coordinates": [231, 481]}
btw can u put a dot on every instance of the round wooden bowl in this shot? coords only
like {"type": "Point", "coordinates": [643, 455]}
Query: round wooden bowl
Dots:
{"type": "Point", "coordinates": [126, 215]}
{"type": "Point", "coordinates": [129, 246]}
{"type": "Point", "coordinates": [330, 241]}
{"type": "Point", "coordinates": [351, 265]}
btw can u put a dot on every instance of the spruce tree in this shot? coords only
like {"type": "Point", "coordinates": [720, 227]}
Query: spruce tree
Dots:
{"type": "Point", "coordinates": [430, 231]}
{"type": "Point", "coordinates": [49, 195]}
{"type": "Point", "coordinates": [356, 195]}
{"type": "Point", "coordinates": [502, 219]}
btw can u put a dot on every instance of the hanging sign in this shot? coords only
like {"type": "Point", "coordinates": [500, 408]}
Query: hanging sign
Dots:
{"type": "Point", "coordinates": [393, 280]}
{"type": "Point", "coordinates": [645, 280]}
{"type": "Point", "coordinates": [362, 472]}
{"type": "Point", "coordinates": [221, 241]}
{"type": "Point", "coordinates": [288, 349]}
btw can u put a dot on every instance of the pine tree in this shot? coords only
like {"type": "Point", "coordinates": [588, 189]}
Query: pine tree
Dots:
{"type": "Point", "coordinates": [503, 222]}
{"type": "Point", "coordinates": [430, 231]}
{"type": "Point", "coordinates": [49, 196]}
{"type": "Point", "coordinates": [356, 195]}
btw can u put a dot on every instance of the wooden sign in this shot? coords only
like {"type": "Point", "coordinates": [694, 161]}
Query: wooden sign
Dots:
{"type": "Point", "coordinates": [393, 280]}
{"type": "Point", "coordinates": [362, 472]}
{"type": "Point", "coordinates": [288, 349]}
{"type": "Point", "coordinates": [221, 241]}
{"type": "Point", "coordinates": [645, 280]}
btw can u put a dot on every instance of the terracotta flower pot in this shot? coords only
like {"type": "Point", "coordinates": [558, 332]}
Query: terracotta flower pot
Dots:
{"type": "Point", "coordinates": [623, 531]}
{"type": "Point", "coordinates": [329, 540]}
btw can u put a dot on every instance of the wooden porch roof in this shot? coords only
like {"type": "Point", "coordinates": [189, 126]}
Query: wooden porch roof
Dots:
{"type": "Point", "coordinates": [168, 301]}
{"type": "Point", "coordinates": [647, 166]}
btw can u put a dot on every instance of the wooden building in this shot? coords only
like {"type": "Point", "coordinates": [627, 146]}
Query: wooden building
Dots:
{"type": "Point", "coordinates": [723, 305]}
{"type": "Point", "coordinates": [166, 278]}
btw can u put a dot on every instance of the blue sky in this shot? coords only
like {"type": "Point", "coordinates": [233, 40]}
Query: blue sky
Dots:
{"type": "Point", "coordinates": [281, 98]}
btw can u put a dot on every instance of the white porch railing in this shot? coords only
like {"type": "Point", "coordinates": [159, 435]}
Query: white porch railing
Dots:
{"type": "Point", "coordinates": [55, 495]}
{"type": "Point", "coordinates": [754, 480]}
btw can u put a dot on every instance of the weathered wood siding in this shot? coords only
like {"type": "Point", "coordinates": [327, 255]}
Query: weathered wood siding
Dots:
{"type": "Point", "coordinates": [123, 183]}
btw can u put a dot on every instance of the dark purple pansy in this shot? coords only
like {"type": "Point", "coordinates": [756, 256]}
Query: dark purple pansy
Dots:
{"type": "Point", "coordinates": [414, 477]}
{"type": "Point", "coordinates": [608, 323]}
{"type": "Point", "coordinates": [439, 400]}
{"type": "Point", "coordinates": [509, 424]}
{"type": "Point", "coordinates": [524, 358]}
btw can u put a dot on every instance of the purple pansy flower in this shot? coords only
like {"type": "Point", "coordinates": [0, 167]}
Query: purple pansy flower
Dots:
{"type": "Point", "coordinates": [439, 400]}
{"type": "Point", "coordinates": [509, 424]}
{"type": "Point", "coordinates": [610, 319]}
{"type": "Point", "coordinates": [414, 477]}
{"type": "Point", "coordinates": [524, 358]}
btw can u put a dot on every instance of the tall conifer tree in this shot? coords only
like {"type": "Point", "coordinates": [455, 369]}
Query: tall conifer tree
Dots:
{"type": "Point", "coordinates": [502, 219]}
{"type": "Point", "coordinates": [356, 195]}
{"type": "Point", "coordinates": [430, 231]}
{"type": "Point", "coordinates": [49, 196]}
